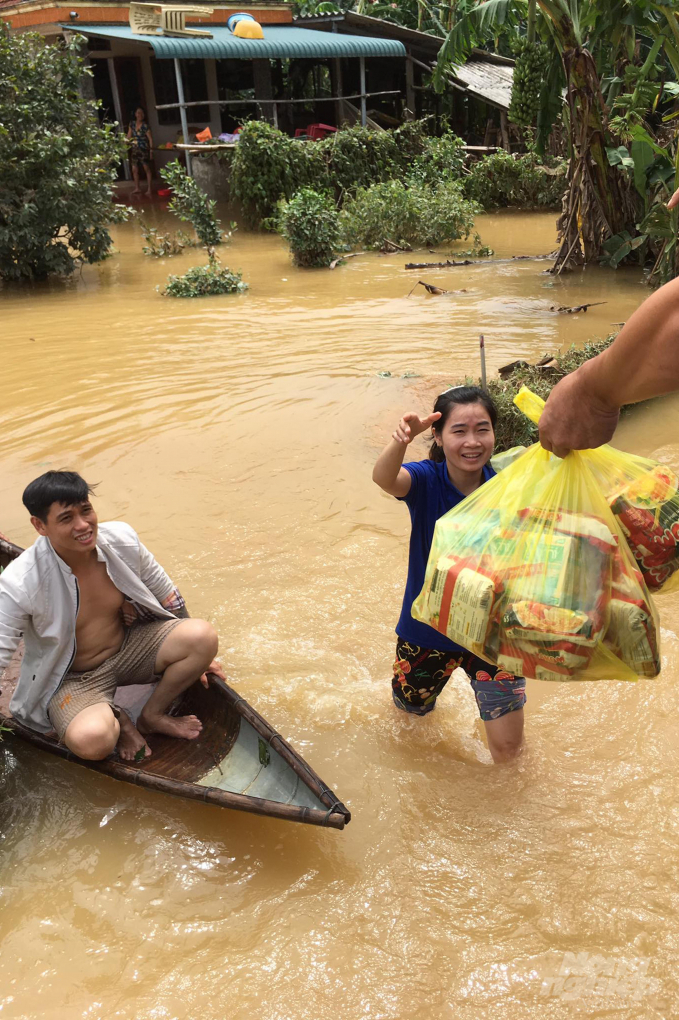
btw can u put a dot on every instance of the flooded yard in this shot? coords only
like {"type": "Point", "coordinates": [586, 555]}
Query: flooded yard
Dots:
{"type": "Point", "coordinates": [237, 435]}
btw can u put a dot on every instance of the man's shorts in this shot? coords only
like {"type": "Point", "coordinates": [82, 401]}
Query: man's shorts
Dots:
{"type": "Point", "coordinates": [133, 664]}
{"type": "Point", "coordinates": [420, 674]}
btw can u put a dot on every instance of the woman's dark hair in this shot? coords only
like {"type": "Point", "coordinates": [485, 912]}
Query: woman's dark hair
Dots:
{"type": "Point", "coordinates": [445, 403]}
{"type": "Point", "coordinates": [139, 107]}
{"type": "Point", "coordinates": [65, 487]}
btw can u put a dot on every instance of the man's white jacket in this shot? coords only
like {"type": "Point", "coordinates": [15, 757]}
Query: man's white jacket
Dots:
{"type": "Point", "coordinates": [39, 600]}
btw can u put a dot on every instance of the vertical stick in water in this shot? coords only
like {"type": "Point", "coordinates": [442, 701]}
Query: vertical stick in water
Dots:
{"type": "Point", "coordinates": [482, 346]}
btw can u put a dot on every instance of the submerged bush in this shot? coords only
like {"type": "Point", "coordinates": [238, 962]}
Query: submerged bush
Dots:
{"type": "Point", "coordinates": [191, 204]}
{"type": "Point", "coordinates": [200, 281]}
{"type": "Point", "coordinates": [310, 224]}
{"type": "Point", "coordinates": [160, 245]}
{"type": "Point", "coordinates": [419, 215]}
{"type": "Point", "coordinates": [503, 179]}
{"type": "Point", "coordinates": [269, 166]}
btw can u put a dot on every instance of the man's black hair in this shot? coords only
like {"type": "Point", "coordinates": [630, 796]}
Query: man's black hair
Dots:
{"type": "Point", "coordinates": [66, 487]}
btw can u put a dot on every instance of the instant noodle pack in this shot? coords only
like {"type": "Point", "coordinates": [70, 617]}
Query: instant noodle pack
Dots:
{"type": "Point", "coordinates": [545, 569]}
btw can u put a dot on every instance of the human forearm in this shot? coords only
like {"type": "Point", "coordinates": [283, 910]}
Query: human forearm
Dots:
{"type": "Point", "coordinates": [643, 360]}
{"type": "Point", "coordinates": [388, 465]}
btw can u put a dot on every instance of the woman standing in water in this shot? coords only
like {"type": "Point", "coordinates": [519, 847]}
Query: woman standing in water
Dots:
{"type": "Point", "coordinates": [141, 143]}
{"type": "Point", "coordinates": [463, 423]}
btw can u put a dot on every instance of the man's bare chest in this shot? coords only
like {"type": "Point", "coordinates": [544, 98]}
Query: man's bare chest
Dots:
{"type": "Point", "coordinates": [99, 597]}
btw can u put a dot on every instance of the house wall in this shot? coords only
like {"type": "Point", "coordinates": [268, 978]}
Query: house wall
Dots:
{"type": "Point", "coordinates": [46, 17]}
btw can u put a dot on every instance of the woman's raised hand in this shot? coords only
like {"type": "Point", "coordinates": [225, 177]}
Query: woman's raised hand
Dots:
{"type": "Point", "coordinates": [412, 425]}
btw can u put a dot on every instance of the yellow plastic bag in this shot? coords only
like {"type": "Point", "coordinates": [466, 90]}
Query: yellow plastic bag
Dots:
{"type": "Point", "coordinates": [644, 497]}
{"type": "Point", "coordinates": [532, 573]}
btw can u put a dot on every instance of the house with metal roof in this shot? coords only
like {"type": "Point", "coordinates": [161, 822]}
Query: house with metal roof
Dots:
{"type": "Point", "coordinates": [191, 71]}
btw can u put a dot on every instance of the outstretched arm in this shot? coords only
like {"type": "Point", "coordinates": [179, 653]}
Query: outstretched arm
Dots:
{"type": "Point", "coordinates": [642, 362]}
{"type": "Point", "coordinates": [389, 472]}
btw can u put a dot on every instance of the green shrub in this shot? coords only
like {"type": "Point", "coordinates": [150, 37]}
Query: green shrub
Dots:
{"type": "Point", "coordinates": [200, 281]}
{"type": "Point", "coordinates": [503, 179]}
{"type": "Point", "coordinates": [310, 225]}
{"type": "Point", "coordinates": [420, 215]}
{"type": "Point", "coordinates": [191, 204]}
{"type": "Point", "coordinates": [442, 160]}
{"type": "Point", "coordinates": [58, 165]}
{"type": "Point", "coordinates": [269, 166]}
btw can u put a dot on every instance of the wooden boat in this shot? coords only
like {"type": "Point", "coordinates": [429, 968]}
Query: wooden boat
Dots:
{"type": "Point", "coordinates": [238, 761]}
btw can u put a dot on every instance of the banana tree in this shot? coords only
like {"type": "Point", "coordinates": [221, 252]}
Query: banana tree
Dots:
{"type": "Point", "coordinates": [583, 35]}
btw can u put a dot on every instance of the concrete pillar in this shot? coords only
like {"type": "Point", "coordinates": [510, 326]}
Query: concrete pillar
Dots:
{"type": "Point", "coordinates": [410, 89]}
{"type": "Point", "coordinates": [213, 93]}
{"type": "Point", "coordinates": [182, 112]}
{"type": "Point", "coordinates": [337, 87]}
{"type": "Point", "coordinates": [264, 88]}
{"type": "Point", "coordinates": [364, 109]}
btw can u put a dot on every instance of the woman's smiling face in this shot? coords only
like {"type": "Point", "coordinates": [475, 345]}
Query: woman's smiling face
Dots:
{"type": "Point", "coordinates": [467, 438]}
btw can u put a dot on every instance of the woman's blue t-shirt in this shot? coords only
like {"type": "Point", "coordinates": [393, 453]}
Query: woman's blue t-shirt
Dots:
{"type": "Point", "coordinates": [432, 494]}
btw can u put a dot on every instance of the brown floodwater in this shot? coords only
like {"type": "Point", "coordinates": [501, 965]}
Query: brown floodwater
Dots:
{"type": "Point", "coordinates": [237, 435]}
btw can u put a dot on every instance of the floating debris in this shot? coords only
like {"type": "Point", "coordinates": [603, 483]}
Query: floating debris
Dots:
{"type": "Point", "coordinates": [565, 310]}
{"type": "Point", "coordinates": [474, 262]}
{"type": "Point", "coordinates": [436, 291]}
{"type": "Point", "coordinates": [342, 258]}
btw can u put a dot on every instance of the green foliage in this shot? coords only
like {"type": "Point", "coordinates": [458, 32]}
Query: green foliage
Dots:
{"type": "Point", "coordinates": [161, 246]}
{"type": "Point", "coordinates": [420, 215]}
{"type": "Point", "coordinates": [532, 62]}
{"type": "Point", "coordinates": [652, 172]}
{"type": "Point", "coordinates": [191, 204]}
{"type": "Point", "coordinates": [441, 160]}
{"type": "Point", "coordinates": [269, 166]}
{"type": "Point", "coordinates": [58, 165]}
{"type": "Point", "coordinates": [503, 179]}
{"type": "Point", "coordinates": [200, 281]}
{"type": "Point", "coordinates": [513, 427]}
{"type": "Point", "coordinates": [310, 225]}
{"type": "Point", "coordinates": [619, 246]}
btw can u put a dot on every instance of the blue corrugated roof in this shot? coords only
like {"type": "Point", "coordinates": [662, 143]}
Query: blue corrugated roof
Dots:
{"type": "Point", "coordinates": [279, 41]}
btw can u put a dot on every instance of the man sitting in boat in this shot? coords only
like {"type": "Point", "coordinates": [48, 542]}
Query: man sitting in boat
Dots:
{"type": "Point", "coordinates": [96, 611]}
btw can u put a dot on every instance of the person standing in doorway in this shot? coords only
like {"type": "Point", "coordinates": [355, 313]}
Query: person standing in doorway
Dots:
{"type": "Point", "coordinates": [141, 143]}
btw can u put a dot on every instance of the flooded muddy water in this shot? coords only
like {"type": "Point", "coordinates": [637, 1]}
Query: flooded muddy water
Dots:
{"type": "Point", "coordinates": [237, 435]}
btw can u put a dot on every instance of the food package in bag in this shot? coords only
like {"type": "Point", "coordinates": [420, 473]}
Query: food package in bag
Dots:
{"type": "Point", "coordinates": [647, 509]}
{"type": "Point", "coordinates": [532, 572]}
{"type": "Point", "coordinates": [644, 498]}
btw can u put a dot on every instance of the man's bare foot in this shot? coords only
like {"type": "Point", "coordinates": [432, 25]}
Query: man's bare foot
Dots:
{"type": "Point", "coordinates": [186, 726]}
{"type": "Point", "coordinates": [136, 192]}
{"type": "Point", "coordinates": [131, 745]}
